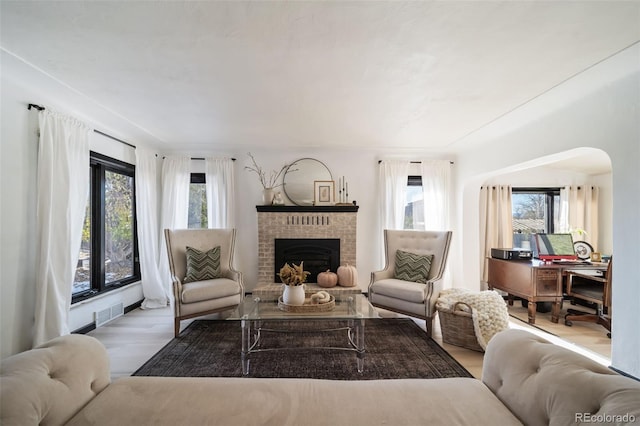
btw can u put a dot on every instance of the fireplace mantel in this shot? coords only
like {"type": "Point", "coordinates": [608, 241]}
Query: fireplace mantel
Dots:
{"type": "Point", "coordinates": [308, 209]}
{"type": "Point", "coordinates": [304, 222]}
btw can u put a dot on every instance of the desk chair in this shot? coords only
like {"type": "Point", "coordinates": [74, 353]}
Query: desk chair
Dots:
{"type": "Point", "coordinates": [592, 289]}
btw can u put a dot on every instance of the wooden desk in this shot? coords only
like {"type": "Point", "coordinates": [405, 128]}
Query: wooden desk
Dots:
{"type": "Point", "coordinates": [533, 280]}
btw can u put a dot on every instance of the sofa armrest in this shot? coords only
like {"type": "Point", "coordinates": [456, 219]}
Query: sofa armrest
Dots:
{"type": "Point", "coordinates": [546, 384]}
{"type": "Point", "coordinates": [49, 384]}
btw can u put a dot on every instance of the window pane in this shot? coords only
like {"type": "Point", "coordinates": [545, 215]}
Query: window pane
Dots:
{"type": "Point", "coordinates": [529, 216]}
{"type": "Point", "coordinates": [556, 212]}
{"type": "Point", "coordinates": [197, 205]}
{"type": "Point", "coordinates": [118, 241]}
{"type": "Point", "coordinates": [414, 209]}
{"type": "Point", "coordinates": [82, 280]}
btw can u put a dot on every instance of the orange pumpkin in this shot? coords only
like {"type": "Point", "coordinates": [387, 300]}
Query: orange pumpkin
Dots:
{"type": "Point", "coordinates": [347, 276]}
{"type": "Point", "coordinates": [327, 279]}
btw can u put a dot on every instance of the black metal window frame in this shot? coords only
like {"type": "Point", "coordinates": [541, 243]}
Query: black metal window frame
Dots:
{"type": "Point", "coordinates": [198, 178]}
{"type": "Point", "coordinates": [549, 194]}
{"type": "Point", "coordinates": [99, 165]}
{"type": "Point", "coordinates": [414, 180]}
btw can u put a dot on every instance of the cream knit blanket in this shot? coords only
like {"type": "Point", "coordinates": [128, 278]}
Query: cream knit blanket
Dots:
{"type": "Point", "coordinates": [488, 311]}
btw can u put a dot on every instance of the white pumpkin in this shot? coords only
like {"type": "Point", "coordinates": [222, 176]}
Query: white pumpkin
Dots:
{"type": "Point", "coordinates": [347, 276]}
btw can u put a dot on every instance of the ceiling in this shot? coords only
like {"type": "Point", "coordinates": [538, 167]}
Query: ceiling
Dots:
{"type": "Point", "coordinates": [208, 75]}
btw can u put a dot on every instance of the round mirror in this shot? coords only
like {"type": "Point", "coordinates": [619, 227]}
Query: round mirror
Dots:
{"type": "Point", "coordinates": [299, 178]}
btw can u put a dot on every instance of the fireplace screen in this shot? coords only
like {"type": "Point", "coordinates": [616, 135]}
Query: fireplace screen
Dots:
{"type": "Point", "coordinates": [318, 255]}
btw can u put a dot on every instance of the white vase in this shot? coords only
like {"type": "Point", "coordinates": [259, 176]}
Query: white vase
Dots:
{"type": "Point", "coordinates": [267, 196]}
{"type": "Point", "coordinates": [293, 295]}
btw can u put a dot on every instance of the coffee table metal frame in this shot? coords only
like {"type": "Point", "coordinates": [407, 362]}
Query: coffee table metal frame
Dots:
{"type": "Point", "coordinates": [254, 311]}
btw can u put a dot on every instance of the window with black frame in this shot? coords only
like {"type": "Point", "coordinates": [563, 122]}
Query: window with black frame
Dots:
{"type": "Point", "coordinates": [198, 201]}
{"type": "Point", "coordinates": [414, 207]}
{"type": "Point", "coordinates": [534, 211]}
{"type": "Point", "coordinates": [108, 257]}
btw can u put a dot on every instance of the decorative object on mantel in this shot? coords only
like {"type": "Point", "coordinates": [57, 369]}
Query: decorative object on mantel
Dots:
{"type": "Point", "coordinates": [347, 276]}
{"type": "Point", "coordinates": [278, 200]}
{"type": "Point", "coordinates": [293, 278]}
{"type": "Point", "coordinates": [343, 193]}
{"type": "Point", "coordinates": [268, 182]}
{"type": "Point", "coordinates": [324, 193]}
{"type": "Point", "coordinates": [299, 177]}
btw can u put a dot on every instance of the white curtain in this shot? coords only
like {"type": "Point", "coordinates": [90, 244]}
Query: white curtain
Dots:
{"type": "Point", "coordinates": [220, 185]}
{"type": "Point", "coordinates": [436, 186]}
{"type": "Point", "coordinates": [176, 177]}
{"type": "Point", "coordinates": [393, 185]}
{"type": "Point", "coordinates": [579, 211]}
{"type": "Point", "coordinates": [155, 294]}
{"type": "Point", "coordinates": [62, 193]}
{"type": "Point", "coordinates": [496, 226]}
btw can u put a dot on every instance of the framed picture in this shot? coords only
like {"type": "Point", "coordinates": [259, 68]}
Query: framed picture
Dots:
{"type": "Point", "coordinates": [324, 193]}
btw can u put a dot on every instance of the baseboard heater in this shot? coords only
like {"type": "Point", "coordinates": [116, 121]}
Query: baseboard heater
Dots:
{"type": "Point", "coordinates": [105, 315]}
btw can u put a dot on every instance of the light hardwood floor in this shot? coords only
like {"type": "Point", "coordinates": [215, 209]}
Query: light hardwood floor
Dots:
{"type": "Point", "coordinates": [133, 338]}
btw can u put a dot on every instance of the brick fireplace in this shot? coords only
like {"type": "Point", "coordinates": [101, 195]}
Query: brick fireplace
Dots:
{"type": "Point", "coordinates": [300, 222]}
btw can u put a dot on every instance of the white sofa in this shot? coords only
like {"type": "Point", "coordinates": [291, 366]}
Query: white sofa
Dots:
{"type": "Point", "coordinates": [525, 379]}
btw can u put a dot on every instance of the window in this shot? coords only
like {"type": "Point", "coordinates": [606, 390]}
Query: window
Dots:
{"type": "Point", "coordinates": [108, 256]}
{"type": "Point", "coordinates": [414, 209]}
{"type": "Point", "coordinates": [197, 201]}
{"type": "Point", "coordinates": [534, 210]}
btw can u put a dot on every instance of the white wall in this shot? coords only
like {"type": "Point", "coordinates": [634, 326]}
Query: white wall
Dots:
{"type": "Point", "coordinates": [601, 111]}
{"type": "Point", "coordinates": [18, 154]}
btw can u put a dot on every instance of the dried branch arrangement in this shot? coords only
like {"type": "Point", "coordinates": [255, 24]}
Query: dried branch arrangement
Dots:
{"type": "Point", "coordinates": [268, 182]}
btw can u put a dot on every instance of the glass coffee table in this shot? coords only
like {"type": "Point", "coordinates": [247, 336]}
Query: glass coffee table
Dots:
{"type": "Point", "coordinates": [258, 316]}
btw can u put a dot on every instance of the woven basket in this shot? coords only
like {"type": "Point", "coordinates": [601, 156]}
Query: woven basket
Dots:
{"type": "Point", "coordinates": [457, 327]}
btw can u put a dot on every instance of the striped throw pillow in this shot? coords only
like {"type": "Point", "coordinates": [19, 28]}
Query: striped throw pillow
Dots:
{"type": "Point", "coordinates": [202, 265]}
{"type": "Point", "coordinates": [412, 267]}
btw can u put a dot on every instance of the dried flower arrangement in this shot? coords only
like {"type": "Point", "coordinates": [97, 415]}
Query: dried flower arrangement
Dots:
{"type": "Point", "coordinates": [293, 275]}
{"type": "Point", "coordinates": [270, 181]}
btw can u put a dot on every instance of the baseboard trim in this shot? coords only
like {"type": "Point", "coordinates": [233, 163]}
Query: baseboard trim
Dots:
{"type": "Point", "coordinates": [90, 327]}
{"type": "Point", "coordinates": [622, 373]}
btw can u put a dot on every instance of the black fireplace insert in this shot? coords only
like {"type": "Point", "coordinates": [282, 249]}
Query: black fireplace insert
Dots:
{"type": "Point", "coordinates": [318, 255]}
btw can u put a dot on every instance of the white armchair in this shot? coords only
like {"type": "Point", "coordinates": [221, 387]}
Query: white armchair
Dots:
{"type": "Point", "coordinates": [407, 297]}
{"type": "Point", "coordinates": [196, 298]}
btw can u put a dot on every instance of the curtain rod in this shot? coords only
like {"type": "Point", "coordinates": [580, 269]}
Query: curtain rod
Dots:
{"type": "Point", "coordinates": [41, 108]}
{"type": "Point", "coordinates": [415, 162]}
{"type": "Point", "coordinates": [199, 158]}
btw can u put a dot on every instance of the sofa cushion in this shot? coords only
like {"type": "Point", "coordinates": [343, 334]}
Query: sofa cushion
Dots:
{"type": "Point", "coordinates": [282, 402]}
{"type": "Point", "coordinates": [202, 265]}
{"type": "Point", "coordinates": [412, 267]}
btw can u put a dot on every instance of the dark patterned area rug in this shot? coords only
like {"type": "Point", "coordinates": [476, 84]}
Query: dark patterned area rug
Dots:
{"type": "Point", "coordinates": [395, 349]}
